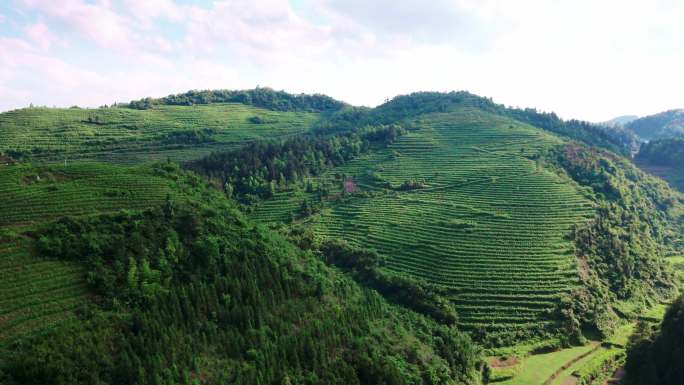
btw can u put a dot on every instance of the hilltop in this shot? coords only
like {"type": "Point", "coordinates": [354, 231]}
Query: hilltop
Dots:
{"type": "Point", "coordinates": [261, 237]}
{"type": "Point", "coordinates": [664, 125]}
{"type": "Point", "coordinates": [620, 121]}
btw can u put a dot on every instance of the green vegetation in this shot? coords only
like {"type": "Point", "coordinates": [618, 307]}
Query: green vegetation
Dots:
{"type": "Point", "coordinates": [656, 353]}
{"type": "Point", "coordinates": [36, 193]}
{"type": "Point", "coordinates": [599, 366]}
{"type": "Point", "coordinates": [664, 158]}
{"type": "Point", "coordinates": [306, 241]}
{"type": "Point", "coordinates": [40, 293]}
{"type": "Point", "coordinates": [259, 169]}
{"type": "Point", "coordinates": [539, 368]}
{"type": "Point", "coordinates": [125, 135]}
{"type": "Point", "coordinates": [421, 103]}
{"type": "Point", "coordinates": [258, 97]}
{"type": "Point", "coordinates": [36, 293]}
{"type": "Point", "coordinates": [622, 250]}
{"type": "Point", "coordinates": [488, 210]}
{"type": "Point", "coordinates": [170, 285]}
{"type": "Point", "coordinates": [659, 126]}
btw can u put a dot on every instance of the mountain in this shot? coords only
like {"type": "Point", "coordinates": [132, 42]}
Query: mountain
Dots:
{"type": "Point", "coordinates": [261, 237]}
{"type": "Point", "coordinates": [659, 126]}
{"type": "Point", "coordinates": [620, 121]}
{"type": "Point", "coordinates": [664, 158]}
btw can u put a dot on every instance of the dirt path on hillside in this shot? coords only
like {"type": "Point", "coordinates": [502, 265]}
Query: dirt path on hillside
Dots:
{"type": "Point", "coordinates": [570, 363]}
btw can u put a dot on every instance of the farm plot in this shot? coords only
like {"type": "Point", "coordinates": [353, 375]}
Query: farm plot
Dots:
{"type": "Point", "coordinates": [128, 136]}
{"type": "Point", "coordinates": [35, 194]}
{"type": "Point", "coordinates": [35, 293]}
{"type": "Point", "coordinates": [488, 221]}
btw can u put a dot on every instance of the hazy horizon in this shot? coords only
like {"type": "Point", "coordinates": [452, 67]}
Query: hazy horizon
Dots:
{"type": "Point", "coordinates": [582, 60]}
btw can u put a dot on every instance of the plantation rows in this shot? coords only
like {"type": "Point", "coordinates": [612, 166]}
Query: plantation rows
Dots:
{"type": "Point", "coordinates": [489, 221]}
{"type": "Point", "coordinates": [35, 293]}
{"type": "Point", "coordinates": [127, 135]}
{"type": "Point", "coordinates": [35, 194]}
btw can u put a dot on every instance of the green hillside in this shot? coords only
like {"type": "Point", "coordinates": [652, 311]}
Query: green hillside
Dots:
{"type": "Point", "coordinates": [664, 125]}
{"type": "Point", "coordinates": [192, 289]}
{"type": "Point", "coordinates": [488, 222]}
{"type": "Point", "coordinates": [458, 200]}
{"type": "Point", "coordinates": [39, 293]}
{"type": "Point", "coordinates": [261, 237]}
{"type": "Point", "coordinates": [664, 158]}
{"type": "Point", "coordinates": [126, 135]}
{"type": "Point", "coordinates": [38, 193]}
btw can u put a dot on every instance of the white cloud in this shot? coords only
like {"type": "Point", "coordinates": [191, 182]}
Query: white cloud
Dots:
{"type": "Point", "coordinates": [148, 10]}
{"type": "Point", "coordinates": [40, 34]}
{"type": "Point", "coordinates": [583, 59]}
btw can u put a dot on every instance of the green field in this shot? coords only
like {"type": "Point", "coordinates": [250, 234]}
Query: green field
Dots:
{"type": "Point", "coordinates": [538, 368]}
{"type": "Point", "coordinates": [128, 135]}
{"type": "Point", "coordinates": [489, 223]}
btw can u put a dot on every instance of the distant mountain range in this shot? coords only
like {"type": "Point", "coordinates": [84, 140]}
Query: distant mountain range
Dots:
{"type": "Point", "coordinates": [668, 124]}
{"type": "Point", "coordinates": [620, 121]}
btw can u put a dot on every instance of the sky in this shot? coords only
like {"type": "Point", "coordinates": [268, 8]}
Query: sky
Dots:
{"type": "Point", "coordinates": [583, 59]}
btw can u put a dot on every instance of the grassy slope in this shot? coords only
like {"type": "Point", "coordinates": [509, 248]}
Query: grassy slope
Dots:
{"type": "Point", "coordinates": [128, 135]}
{"type": "Point", "coordinates": [490, 224]}
{"type": "Point", "coordinates": [540, 367]}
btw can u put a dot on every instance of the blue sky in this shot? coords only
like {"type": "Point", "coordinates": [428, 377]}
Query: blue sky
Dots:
{"type": "Point", "coordinates": [582, 59]}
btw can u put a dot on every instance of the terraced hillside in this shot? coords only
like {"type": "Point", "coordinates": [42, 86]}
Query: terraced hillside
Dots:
{"type": "Point", "coordinates": [36, 291]}
{"type": "Point", "coordinates": [462, 202]}
{"type": "Point", "coordinates": [127, 135]}
{"type": "Point", "coordinates": [34, 194]}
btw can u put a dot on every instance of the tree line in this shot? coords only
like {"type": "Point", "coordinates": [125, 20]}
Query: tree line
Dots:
{"type": "Point", "coordinates": [259, 97]}
{"type": "Point", "coordinates": [261, 168]}
{"type": "Point", "coordinates": [666, 152]}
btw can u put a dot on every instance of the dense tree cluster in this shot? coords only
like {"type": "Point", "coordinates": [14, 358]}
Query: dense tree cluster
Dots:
{"type": "Point", "coordinates": [258, 97]}
{"type": "Point", "coordinates": [365, 266]}
{"type": "Point", "coordinates": [195, 294]}
{"type": "Point", "coordinates": [261, 168]}
{"type": "Point", "coordinates": [665, 152]}
{"type": "Point", "coordinates": [189, 136]}
{"type": "Point", "coordinates": [624, 245]}
{"type": "Point", "coordinates": [655, 356]}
